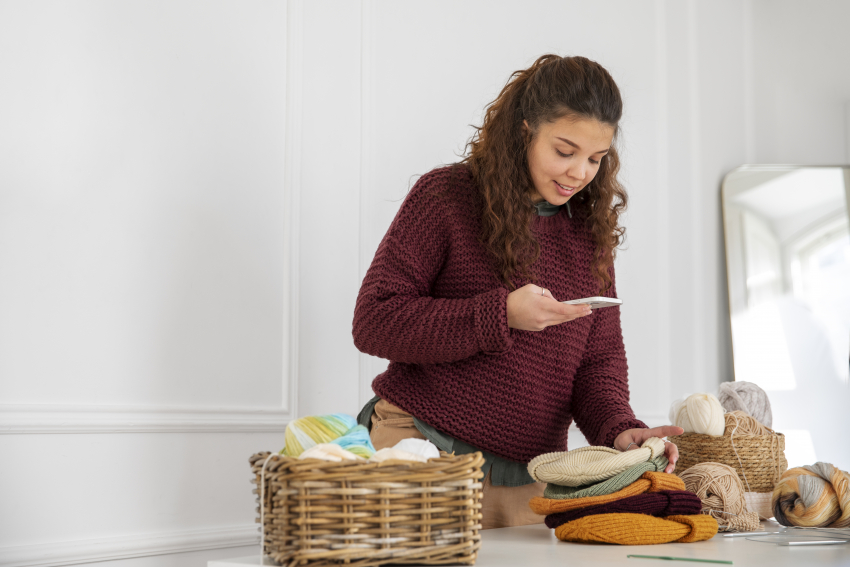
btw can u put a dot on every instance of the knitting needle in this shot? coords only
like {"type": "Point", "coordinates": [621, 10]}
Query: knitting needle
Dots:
{"type": "Point", "coordinates": [739, 534]}
{"type": "Point", "coordinates": [679, 559]}
{"type": "Point", "coordinates": [821, 542]}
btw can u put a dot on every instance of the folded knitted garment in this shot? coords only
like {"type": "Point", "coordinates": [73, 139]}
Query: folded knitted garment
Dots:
{"type": "Point", "coordinates": [590, 464]}
{"type": "Point", "coordinates": [638, 529]}
{"type": "Point", "coordinates": [613, 484]}
{"type": "Point", "coordinates": [664, 503]}
{"type": "Point", "coordinates": [648, 482]}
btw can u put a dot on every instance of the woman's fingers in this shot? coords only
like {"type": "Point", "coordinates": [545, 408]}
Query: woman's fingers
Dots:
{"type": "Point", "coordinates": [533, 308]}
{"type": "Point", "coordinates": [672, 453]}
{"type": "Point", "coordinates": [664, 431]}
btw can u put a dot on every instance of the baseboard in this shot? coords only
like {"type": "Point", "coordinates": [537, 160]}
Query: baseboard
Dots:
{"type": "Point", "coordinates": [141, 545]}
{"type": "Point", "coordinates": [55, 418]}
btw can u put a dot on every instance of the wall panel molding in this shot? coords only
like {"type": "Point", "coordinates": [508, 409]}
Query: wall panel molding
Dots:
{"type": "Point", "coordinates": [125, 547]}
{"type": "Point", "coordinates": [50, 418]}
{"type": "Point", "coordinates": [292, 199]}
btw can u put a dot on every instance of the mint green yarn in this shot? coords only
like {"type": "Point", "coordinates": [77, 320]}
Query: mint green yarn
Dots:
{"type": "Point", "coordinates": [609, 486]}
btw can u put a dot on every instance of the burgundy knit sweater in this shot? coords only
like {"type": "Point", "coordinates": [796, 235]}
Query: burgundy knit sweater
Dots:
{"type": "Point", "coordinates": [432, 304]}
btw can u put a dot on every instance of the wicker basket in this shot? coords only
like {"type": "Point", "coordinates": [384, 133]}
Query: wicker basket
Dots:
{"type": "Point", "coordinates": [759, 460]}
{"type": "Point", "coordinates": [318, 513]}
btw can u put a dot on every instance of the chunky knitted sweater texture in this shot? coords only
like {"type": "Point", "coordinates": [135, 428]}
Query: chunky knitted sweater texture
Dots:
{"type": "Point", "coordinates": [432, 304]}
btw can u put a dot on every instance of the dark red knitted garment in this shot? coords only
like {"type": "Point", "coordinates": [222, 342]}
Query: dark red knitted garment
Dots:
{"type": "Point", "coordinates": [661, 504]}
{"type": "Point", "coordinates": [432, 304]}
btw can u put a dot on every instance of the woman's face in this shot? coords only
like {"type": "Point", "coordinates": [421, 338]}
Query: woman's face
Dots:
{"type": "Point", "coordinates": [564, 157]}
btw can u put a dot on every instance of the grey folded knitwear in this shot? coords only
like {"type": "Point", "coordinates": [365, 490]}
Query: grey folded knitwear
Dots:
{"type": "Point", "coordinates": [610, 486]}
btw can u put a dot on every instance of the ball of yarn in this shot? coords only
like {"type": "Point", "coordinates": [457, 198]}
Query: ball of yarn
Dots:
{"type": "Point", "coordinates": [741, 423]}
{"type": "Point", "coordinates": [813, 496]}
{"type": "Point", "coordinates": [357, 441]}
{"type": "Point", "coordinates": [306, 432]}
{"type": "Point", "coordinates": [722, 495]}
{"type": "Point", "coordinates": [698, 413]}
{"type": "Point", "coordinates": [747, 397]}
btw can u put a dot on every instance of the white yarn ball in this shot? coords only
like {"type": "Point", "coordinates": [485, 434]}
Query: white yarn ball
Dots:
{"type": "Point", "coordinates": [747, 397]}
{"type": "Point", "coordinates": [699, 413]}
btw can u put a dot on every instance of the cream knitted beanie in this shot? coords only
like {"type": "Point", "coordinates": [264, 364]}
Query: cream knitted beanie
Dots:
{"type": "Point", "coordinates": [590, 464]}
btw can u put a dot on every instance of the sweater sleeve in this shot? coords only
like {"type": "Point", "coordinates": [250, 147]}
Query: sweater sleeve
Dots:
{"type": "Point", "coordinates": [396, 317]}
{"type": "Point", "coordinates": [600, 403]}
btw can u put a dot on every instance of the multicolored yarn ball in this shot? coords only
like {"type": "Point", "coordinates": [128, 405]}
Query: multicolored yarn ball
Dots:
{"type": "Point", "coordinates": [747, 397]}
{"type": "Point", "coordinates": [309, 431]}
{"type": "Point", "coordinates": [357, 441]}
{"type": "Point", "coordinates": [698, 413]}
{"type": "Point", "coordinates": [813, 496]}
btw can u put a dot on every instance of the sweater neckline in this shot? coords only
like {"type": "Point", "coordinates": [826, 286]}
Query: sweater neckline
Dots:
{"type": "Point", "coordinates": [551, 223]}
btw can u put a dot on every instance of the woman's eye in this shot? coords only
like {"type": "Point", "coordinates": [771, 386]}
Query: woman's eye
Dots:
{"type": "Point", "coordinates": [594, 162]}
{"type": "Point", "coordinates": [562, 154]}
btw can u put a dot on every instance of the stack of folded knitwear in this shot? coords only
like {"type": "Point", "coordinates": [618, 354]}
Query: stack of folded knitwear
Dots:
{"type": "Point", "coordinates": [598, 494]}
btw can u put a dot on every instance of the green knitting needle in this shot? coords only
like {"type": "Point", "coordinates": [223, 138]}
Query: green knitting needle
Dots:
{"type": "Point", "coordinates": [680, 559]}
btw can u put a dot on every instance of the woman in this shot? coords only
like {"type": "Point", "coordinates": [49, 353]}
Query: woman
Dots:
{"type": "Point", "coordinates": [463, 295]}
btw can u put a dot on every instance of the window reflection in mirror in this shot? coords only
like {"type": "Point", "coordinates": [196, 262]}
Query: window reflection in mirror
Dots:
{"type": "Point", "coordinates": [788, 268]}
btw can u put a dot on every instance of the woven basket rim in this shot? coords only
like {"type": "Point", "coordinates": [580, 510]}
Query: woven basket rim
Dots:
{"type": "Point", "coordinates": [435, 463]}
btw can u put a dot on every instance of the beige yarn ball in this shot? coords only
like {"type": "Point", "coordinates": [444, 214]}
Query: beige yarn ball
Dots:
{"type": "Point", "coordinates": [722, 495]}
{"type": "Point", "coordinates": [698, 413]}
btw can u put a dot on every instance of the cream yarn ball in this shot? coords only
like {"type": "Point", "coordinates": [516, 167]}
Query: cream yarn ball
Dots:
{"type": "Point", "coordinates": [747, 397]}
{"type": "Point", "coordinates": [698, 413]}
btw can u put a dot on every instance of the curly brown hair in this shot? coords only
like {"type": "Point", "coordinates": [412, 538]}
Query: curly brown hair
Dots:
{"type": "Point", "coordinates": [497, 157]}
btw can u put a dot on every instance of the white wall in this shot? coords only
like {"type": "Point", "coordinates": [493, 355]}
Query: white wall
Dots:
{"type": "Point", "coordinates": [142, 227]}
{"type": "Point", "coordinates": [191, 192]}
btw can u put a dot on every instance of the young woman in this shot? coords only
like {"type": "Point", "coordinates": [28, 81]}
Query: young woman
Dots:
{"type": "Point", "coordinates": [463, 295]}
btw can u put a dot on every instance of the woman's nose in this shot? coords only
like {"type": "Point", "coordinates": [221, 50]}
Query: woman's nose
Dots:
{"type": "Point", "coordinates": [577, 172]}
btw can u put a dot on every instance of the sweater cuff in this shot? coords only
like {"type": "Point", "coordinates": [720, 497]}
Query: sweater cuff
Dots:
{"type": "Point", "coordinates": [616, 425]}
{"type": "Point", "coordinates": [491, 321]}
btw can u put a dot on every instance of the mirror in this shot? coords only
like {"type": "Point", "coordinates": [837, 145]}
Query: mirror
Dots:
{"type": "Point", "coordinates": [788, 271]}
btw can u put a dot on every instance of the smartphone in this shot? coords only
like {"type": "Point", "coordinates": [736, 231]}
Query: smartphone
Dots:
{"type": "Point", "coordinates": [595, 302]}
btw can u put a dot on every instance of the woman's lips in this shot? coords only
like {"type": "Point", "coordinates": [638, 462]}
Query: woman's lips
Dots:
{"type": "Point", "coordinates": [564, 191]}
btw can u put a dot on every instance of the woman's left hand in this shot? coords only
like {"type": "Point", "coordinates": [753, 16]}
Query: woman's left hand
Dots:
{"type": "Point", "coordinates": [638, 436]}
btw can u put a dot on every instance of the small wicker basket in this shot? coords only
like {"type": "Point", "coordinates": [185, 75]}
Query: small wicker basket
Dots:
{"type": "Point", "coordinates": [315, 513]}
{"type": "Point", "coordinates": [759, 460]}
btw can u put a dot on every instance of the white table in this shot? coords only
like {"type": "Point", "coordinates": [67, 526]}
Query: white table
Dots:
{"type": "Point", "coordinates": [537, 546]}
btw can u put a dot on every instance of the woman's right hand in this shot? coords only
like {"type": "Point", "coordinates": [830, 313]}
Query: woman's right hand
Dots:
{"type": "Point", "coordinates": [532, 308]}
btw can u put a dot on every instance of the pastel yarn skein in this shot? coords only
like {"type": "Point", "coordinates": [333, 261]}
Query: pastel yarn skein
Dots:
{"type": "Point", "coordinates": [698, 413]}
{"type": "Point", "coordinates": [306, 432]}
{"type": "Point", "coordinates": [813, 496]}
{"type": "Point", "coordinates": [747, 397]}
{"type": "Point", "coordinates": [357, 441]}
{"type": "Point", "coordinates": [590, 464]}
{"type": "Point", "coordinates": [613, 484]}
